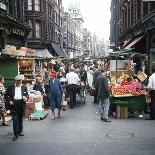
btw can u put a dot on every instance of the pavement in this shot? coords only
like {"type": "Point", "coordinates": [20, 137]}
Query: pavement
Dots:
{"type": "Point", "coordinates": [81, 132]}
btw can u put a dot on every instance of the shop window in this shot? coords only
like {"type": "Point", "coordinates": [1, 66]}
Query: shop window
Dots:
{"type": "Point", "coordinates": [37, 5]}
{"type": "Point", "coordinates": [38, 30]}
{"type": "Point", "coordinates": [29, 4]}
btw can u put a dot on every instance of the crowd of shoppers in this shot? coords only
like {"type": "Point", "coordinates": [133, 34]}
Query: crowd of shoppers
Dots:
{"type": "Point", "coordinates": [60, 84]}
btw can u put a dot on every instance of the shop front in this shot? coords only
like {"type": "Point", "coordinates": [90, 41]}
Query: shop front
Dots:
{"type": "Point", "coordinates": [12, 32]}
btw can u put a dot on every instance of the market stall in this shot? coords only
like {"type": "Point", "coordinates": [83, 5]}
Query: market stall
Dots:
{"type": "Point", "coordinates": [128, 95]}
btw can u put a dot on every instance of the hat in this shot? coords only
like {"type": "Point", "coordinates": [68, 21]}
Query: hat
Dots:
{"type": "Point", "coordinates": [53, 73]}
{"type": "Point", "coordinates": [53, 62]}
{"type": "Point", "coordinates": [19, 77]}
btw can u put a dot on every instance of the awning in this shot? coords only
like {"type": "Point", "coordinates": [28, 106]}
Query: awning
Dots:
{"type": "Point", "coordinates": [134, 42]}
{"type": "Point", "coordinates": [61, 52]}
{"type": "Point", "coordinates": [42, 53]}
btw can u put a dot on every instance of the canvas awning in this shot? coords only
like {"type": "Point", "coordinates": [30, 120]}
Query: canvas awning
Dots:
{"type": "Point", "coordinates": [61, 52]}
{"type": "Point", "coordinates": [134, 42]}
{"type": "Point", "coordinates": [42, 53]}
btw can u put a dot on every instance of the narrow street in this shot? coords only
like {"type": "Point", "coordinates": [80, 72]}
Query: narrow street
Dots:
{"type": "Point", "coordinates": [81, 132]}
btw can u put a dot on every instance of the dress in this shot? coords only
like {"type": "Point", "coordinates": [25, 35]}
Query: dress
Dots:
{"type": "Point", "coordinates": [2, 101]}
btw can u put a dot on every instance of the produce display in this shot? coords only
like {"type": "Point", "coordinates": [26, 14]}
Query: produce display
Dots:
{"type": "Point", "coordinates": [127, 88]}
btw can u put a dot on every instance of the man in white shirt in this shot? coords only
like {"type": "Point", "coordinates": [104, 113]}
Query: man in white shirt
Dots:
{"type": "Point", "coordinates": [72, 81]}
{"type": "Point", "coordinates": [151, 86]}
{"type": "Point", "coordinates": [16, 96]}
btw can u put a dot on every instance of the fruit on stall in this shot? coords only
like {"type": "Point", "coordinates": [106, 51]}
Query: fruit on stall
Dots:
{"type": "Point", "coordinates": [128, 88]}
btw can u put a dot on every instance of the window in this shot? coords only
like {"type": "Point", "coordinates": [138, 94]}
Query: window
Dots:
{"type": "Point", "coordinates": [38, 30]}
{"type": "Point", "coordinates": [55, 17]}
{"type": "Point", "coordinates": [37, 5]}
{"type": "Point", "coordinates": [30, 24]}
{"type": "Point", "coordinates": [29, 4]}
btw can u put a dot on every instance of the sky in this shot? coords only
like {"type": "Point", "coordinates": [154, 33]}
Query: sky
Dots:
{"type": "Point", "coordinates": [96, 15]}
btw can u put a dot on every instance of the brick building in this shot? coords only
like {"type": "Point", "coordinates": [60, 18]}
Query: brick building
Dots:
{"type": "Point", "coordinates": [13, 28]}
{"type": "Point", "coordinates": [45, 19]}
{"type": "Point", "coordinates": [133, 26]}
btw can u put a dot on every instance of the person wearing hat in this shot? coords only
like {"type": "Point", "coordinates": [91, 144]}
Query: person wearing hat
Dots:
{"type": "Point", "coordinates": [55, 93]}
{"type": "Point", "coordinates": [16, 96]}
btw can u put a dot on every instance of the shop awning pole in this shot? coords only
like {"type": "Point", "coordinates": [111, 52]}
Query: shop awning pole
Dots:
{"type": "Point", "coordinates": [116, 68]}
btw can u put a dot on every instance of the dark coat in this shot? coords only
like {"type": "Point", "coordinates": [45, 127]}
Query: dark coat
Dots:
{"type": "Point", "coordinates": [10, 93]}
{"type": "Point", "coordinates": [38, 87]}
{"type": "Point", "coordinates": [95, 75]}
{"type": "Point", "coordinates": [102, 87]}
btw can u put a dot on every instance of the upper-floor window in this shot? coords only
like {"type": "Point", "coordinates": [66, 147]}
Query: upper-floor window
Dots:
{"type": "Point", "coordinates": [29, 4]}
{"type": "Point", "coordinates": [37, 5]}
{"type": "Point", "coordinates": [55, 17]}
{"type": "Point", "coordinates": [30, 24]}
{"type": "Point", "coordinates": [38, 30]}
{"type": "Point", "coordinates": [57, 1]}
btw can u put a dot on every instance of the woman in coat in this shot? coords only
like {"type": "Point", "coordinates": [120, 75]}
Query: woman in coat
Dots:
{"type": "Point", "coordinates": [55, 93]}
{"type": "Point", "coordinates": [2, 101]}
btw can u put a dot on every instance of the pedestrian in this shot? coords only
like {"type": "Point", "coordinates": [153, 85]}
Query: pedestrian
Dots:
{"type": "Point", "coordinates": [72, 86]}
{"type": "Point", "coordinates": [16, 96]}
{"type": "Point", "coordinates": [2, 101]}
{"type": "Point", "coordinates": [83, 74]}
{"type": "Point", "coordinates": [103, 95]}
{"type": "Point", "coordinates": [55, 93]}
{"type": "Point", "coordinates": [151, 86]}
{"type": "Point", "coordinates": [38, 86]}
{"type": "Point", "coordinates": [95, 75]}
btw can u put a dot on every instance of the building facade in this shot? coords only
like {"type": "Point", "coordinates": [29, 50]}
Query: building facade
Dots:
{"type": "Point", "coordinates": [133, 26]}
{"type": "Point", "coordinates": [45, 19]}
{"type": "Point", "coordinates": [13, 28]}
{"type": "Point", "coordinates": [74, 12]}
{"type": "Point", "coordinates": [71, 29]}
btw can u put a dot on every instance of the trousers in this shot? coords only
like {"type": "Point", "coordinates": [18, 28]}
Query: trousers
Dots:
{"type": "Point", "coordinates": [17, 111]}
{"type": "Point", "coordinates": [104, 107]}
{"type": "Point", "coordinates": [152, 108]}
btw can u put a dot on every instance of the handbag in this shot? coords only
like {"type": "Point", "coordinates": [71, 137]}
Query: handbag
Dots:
{"type": "Point", "coordinates": [92, 92]}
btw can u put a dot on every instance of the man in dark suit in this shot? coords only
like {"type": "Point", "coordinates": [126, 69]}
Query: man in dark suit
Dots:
{"type": "Point", "coordinates": [95, 75]}
{"type": "Point", "coordinates": [16, 96]}
{"type": "Point", "coordinates": [103, 95]}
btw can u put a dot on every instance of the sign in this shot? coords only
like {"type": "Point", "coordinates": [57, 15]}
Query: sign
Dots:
{"type": "Point", "coordinates": [11, 30]}
{"type": "Point", "coordinates": [2, 6]}
{"type": "Point", "coordinates": [149, 0]}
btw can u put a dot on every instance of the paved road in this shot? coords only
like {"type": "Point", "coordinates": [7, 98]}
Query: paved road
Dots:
{"type": "Point", "coordinates": [81, 132]}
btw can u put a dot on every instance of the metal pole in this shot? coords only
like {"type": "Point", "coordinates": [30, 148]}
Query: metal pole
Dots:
{"type": "Point", "coordinates": [116, 68]}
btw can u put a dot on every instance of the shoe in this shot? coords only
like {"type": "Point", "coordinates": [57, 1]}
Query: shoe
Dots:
{"type": "Point", "coordinates": [53, 118]}
{"type": "Point", "coordinates": [21, 134]}
{"type": "Point", "coordinates": [4, 124]}
{"type": "Point", "coordinates": [107, 120]}
{"type": "Point", "coordinates": [15, 138]}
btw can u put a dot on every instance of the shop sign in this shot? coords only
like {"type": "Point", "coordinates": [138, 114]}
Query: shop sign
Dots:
{"type": "Point", "coordinates": [9, 30]}
{"type": "Point", "coordinates": [2, 6]}
{"type": "Point", "coordinates": [149, 0]}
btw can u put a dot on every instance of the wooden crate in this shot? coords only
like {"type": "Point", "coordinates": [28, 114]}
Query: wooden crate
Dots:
{"type": "Point", "coordinates": [122, 112]}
